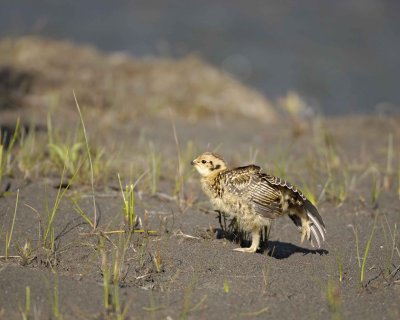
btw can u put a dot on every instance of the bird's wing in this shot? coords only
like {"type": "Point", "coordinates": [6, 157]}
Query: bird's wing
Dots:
{"type": "Point", "coordinates": [296, 195]}
{"type": "Point", "coordinates": [249, 184]}
{"type": "Point", "coordinates": [265, 197]}
{"type": "Point", "coordinates": [284, 185]}
{"type": "Point", "coordinates": [297, 198]}
{"type": "Point", "coordinates": [238, 180]}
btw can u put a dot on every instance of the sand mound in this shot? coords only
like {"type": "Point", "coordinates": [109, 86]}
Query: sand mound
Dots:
{"type": "Point", "coordinates": [39, 74]}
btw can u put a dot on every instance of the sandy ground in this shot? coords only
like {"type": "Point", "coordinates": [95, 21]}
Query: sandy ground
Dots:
{"type": "Point", "coordinates": [201, 277]}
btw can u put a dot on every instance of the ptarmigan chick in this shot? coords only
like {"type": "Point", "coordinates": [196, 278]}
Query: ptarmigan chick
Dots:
{"type": "Point", "coordinates": [256, 198]}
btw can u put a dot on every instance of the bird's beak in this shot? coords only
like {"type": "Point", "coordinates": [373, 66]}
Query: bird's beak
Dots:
{"type": "Point", "coordinates": [193, 162]}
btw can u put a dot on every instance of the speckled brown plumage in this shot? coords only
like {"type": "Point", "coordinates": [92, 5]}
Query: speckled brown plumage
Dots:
{"type": "Point", "coordinates": [255, 198]}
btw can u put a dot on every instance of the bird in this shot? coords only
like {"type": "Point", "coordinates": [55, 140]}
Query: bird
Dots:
{"type": "Point", "coordinates": [256, 198]}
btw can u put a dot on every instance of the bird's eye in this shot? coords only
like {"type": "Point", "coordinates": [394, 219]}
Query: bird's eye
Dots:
{"type": "Point", "coordinates": [203, 161]}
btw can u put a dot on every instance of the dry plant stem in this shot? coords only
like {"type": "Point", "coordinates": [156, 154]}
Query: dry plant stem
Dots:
{"type": "Point", "coordinates": [389, 164]}
{"type": "Point", "coordinates": [9, 236]}
{"type": "Point", "coordinates": [197, 305]}
{"type": "Point", "coordinates": [39, 219]}
{"type": "Point", "coordinates": [105, 233]}
{"type": "Point", "coordinates": [177, 145]}
{"type": "Point", "coordinates": [90, 161]}
{"type": "Point", "coordinates": [387, 179]}
{"type": "Point", "coordinates": [323, 191]}
{"type": "Point", "coordinates": [255, 313]}
{"type": "Point", "coordinates": [357, 245]}
{"type": "Point", "coordinates": [10, 257]}
{"type": "Point", "coordinates": [180, 173]}
{"type": "Point", "coordinates": [155, 170]}
{"type": "Point", "coordinates": [157, 261]}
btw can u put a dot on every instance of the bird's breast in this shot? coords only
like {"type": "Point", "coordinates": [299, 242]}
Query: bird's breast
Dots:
{"type": "Point", "coordinates": [212, 188]}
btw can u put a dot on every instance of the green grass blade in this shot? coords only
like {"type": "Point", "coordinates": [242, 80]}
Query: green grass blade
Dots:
{"type": "Point", "coordinates": [55, 207]}
{"type": "Point", "coordinates": [27, 302]}
{"type": "Point", "coordinates": [90, 162]}
{"type": "Point", "coordinates": [79, 210]}
{"type": "Point", "coordinates": [366, 254]}
{"type": "Point", "coordinates": [14, 136]}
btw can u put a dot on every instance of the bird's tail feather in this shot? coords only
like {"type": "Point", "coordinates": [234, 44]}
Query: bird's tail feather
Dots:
{"type": "Point", "coordinates": [317, 227]}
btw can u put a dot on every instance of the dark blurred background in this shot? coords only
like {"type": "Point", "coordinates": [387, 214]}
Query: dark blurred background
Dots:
{"type": "Point", "coordinates": [340, 56]}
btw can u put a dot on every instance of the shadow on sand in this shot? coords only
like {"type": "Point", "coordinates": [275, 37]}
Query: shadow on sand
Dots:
{"type": "Point", "coordinates": [283, 250]}
{"type": "Point", "coordinates": [275, 249]}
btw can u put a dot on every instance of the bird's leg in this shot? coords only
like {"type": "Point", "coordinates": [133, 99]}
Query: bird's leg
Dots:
{"type": "Point", "coordinates": [220, 220]}
{"type": "Point", "coordinates": [255, 242]}
{"type": "Point", "coordinates": [305, 229]}
{"type": "Point", "coordinates": [224, 215]}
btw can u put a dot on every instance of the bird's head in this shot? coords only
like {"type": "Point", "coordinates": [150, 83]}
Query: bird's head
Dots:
{"type": "Point", "coordinates": [208, 163]}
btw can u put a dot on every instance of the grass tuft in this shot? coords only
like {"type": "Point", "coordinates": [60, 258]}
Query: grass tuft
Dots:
{"type": "Point", "coordinates": [26, 253]}
{"type": "Point", "coordinates": [111, 272]}
{"type": "Point", "coordinates": [129, 205]}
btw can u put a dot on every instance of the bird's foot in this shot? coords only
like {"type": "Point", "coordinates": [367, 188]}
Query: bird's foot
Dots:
{"type": "Point", "coordinates": [305, 231]}
{"type": "Point", "coordinates": [249, 250]}
{"type": "Point", "coordinates": [255, 242]}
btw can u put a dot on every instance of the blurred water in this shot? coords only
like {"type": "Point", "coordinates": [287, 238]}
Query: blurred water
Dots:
{"type": "Point", "coordinates": [342, 56]}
